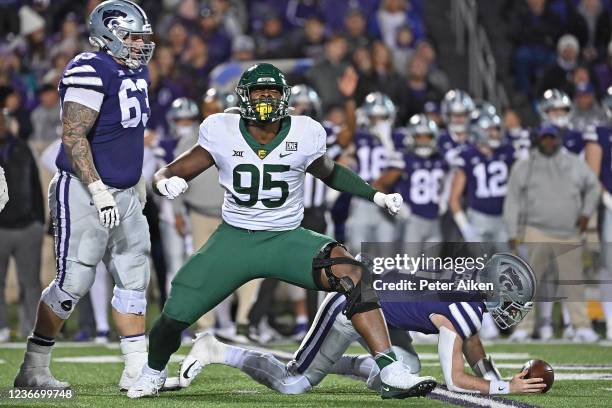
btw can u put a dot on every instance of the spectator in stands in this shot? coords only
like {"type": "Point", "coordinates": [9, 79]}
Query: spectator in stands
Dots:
{"type": "Point", "coordinates": [232, 15]}
{"type": "Point", "coordinates": [403, 50]}
{"type": "Point", "coordinates": [14, 107]}
{"type": "Point", "coordinates": [590, 23]}
{"type": "Point", "coordinates": [603, 73]}
{"type": "Point", "coordinates": [534, 31]}
{"type": "Point", "coordinates": [162, 91]}
{"type": "Point", "coordinates": [355, 30]}
{"type": "Point", "coordinates": [552, 231]}
{"type": "Point", "coordinates": [31, 41]}
{"type": "Point", "coordinates": [310, 41]}
{"type": "Point", "coordinates": [70, 40]}
{"type": "Point", "coordinates": [243, 48]}
{"type": "Point", "coordinates": [219, 42]}
{"type": "Point", "coordinates": [416, 90]}
{"type": "Point", "coordinates": [46, 117]}
{"type": "Point", "coordinates": [58, 63]}
{"type": "Point", "coordinates": [394, 14]}
{"type": "Point", "coordinates": [21, 226]}
{"type": "Point", "coordinates": [271, 42]}
{"type": "Point", "coordinates": [437, 77]}
{"type": "Point", "coordinates": [587, 112]}
{"type": "Point", "coordinates": [9, 18]}
{"type": "Point", "coordinates": [323, 76]}
{"type": "Point", "coordinates": [558, 75]}
{"type": "Point", "coordinates": [197, 67]}
{"type": "Point", "coordinates": [382, 77]}
{"type": "Point", "coordinates": [177, 39]}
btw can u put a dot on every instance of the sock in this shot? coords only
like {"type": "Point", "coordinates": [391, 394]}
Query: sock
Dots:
{"type": "Point", "coordinates": [133, 345]}
{"type": "Point", "coordinates": [41, 340]}
{"type": "Point", "coordinates": [164, 339]}
{"type": "Point", "coordinates": [234, 356]}
{"type": "Point", "coordinates": [385, 358]}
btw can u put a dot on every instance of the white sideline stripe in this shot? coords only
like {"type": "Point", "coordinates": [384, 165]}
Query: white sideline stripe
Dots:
{"type": "Point", "coordinates": [2, 361]}
{"type": "Point", "coordinates": [555, 367]}
{"type": "Point", "coordinates": [176, 358]}
{"type": "Point", "coordinates": [496, 356]}
{"type": "Point", "coordinates": [61, 344]}
{"type": "Point", "coordinates": [471, 398]}
{"type": "Point", "coordinates": [583, 376]}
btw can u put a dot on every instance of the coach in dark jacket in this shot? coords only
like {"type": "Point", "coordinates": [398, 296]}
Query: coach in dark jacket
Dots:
{"type": "Point", "coordinates": [21, 225]}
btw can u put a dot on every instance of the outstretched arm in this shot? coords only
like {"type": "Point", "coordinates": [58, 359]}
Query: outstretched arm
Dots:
{"type": "Point", "coordinates": [171, 180]}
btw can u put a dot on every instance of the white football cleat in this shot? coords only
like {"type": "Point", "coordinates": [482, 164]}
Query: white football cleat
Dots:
{"type": "Point", "coordinates": [34, 371]}
{"type": "Point", "coordinates": [148, 384]}
{"type": "Point", "coordinates": [398, 382]}
{"type": "Point", "coordinates": [206, 350]}
{"type": "Point", "coordinates": [519, 335]}
{"type": "Point", "coordinates": [546, 333]}
{"type": "Point", "coordinates": [585, 335]}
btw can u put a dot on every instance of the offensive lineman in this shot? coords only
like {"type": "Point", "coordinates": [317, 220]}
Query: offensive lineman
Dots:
{"type": "Point", "coordinates": [456, 323]}
{"type": "Point", "coordinates": [262, 156]}
{"type": "Point", "coordinates": [97, 195]}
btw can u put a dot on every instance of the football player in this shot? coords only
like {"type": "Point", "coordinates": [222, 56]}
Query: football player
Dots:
{"type": "Point", "coordinates": [263, 155]}
{"type": "Point", "coordinates": [421, 181]}
{"type": "Point", "coordinates": [374, 153]}
{"type": "Point", "coordinates": [555, 107]}
{"type": "Point", "coordinates": [598, 155]}
{"type": "Point", "coordinates": [97, 195]}
{"type": "Point", "coordinates": [456, 109]}
{"type": "Point", "coordinates": [456, 323]}
{"type": "Point", "coordinates": [483, 169]}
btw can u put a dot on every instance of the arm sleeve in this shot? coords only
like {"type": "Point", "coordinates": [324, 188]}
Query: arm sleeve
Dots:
{"type": "Point", "coordinates": [347, 181]}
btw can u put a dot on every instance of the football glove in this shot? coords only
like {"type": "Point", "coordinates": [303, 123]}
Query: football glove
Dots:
{"type": "Point", "coordinates": [391, 202]}
{"type": "Point", "coordinates": [105, 204]}
{"type": "Point", "coordinates": [172, 187]}
{"type": "Point", "coordinates": [4, 197]}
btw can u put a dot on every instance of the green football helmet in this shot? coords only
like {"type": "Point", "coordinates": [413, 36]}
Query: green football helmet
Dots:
{"type": "Point", "coordinates": [264, 109]}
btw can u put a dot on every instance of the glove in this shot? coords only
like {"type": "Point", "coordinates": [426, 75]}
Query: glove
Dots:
{"type": "Point", "coordinates": [606, 198]}
{"type": "Point", "coordinates": [105, 203]}
{"type": "Point", "coordinates": [172, 187]}
{"type": "Point", "coordinates": [392, 202]}
{"type": "Point", "coordinates": [141, 190]}
{"type": "Point", "coordinates": [468, 232]}
{"type": "Point", "coordinates": [4, 197]}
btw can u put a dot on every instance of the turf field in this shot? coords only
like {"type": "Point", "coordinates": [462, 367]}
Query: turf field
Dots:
{"type": "Point", "coordinates": [583, 372]}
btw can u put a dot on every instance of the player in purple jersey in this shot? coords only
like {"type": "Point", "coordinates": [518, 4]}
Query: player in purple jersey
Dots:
{"type": "Point", "coordinates": [420, 182]}
{"type": "Point", "coordinates": [96, 197]}
{"type": "Point", "coordinates": [374, 152]}
{"type": "Point", "coordinates": [456, 108]}
{"type": "Point", "coordinates": [456, 322]}
{"type": "Point", "coordinates": [482, 170]}
{"type": "Point", "coordinates": [555, 107]}
{"type": "Point", "coordinates": [598, 155]}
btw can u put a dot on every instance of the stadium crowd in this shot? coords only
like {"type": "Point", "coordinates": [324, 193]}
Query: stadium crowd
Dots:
{"type": "Point", "coordinates": [468, 170]}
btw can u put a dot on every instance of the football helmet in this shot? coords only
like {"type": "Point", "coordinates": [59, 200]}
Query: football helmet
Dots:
{"type": "Point", "coordinates": [420, 124]}
{"type": "Point", "coordinates": [228, 101]}
{"type": "Point", "coordinates": [455, 105]}
{"type": "Point", "coordinates": [265, 109]}
{"type": "Point", "coordinates": [514, 288]}
{"type": "Point", "coordinates": [607, 103]}
{"type": "Point", "coordinates": [114, 22]}
{"type": "Point", "coordinates": [305, 101]}
{"type": "Point", "coordinates": [377, 105]}
{"type": "Point", "coordinates": [183, 108]}
{"type": "Point", "coordinates": [554, 99]}
{"type": "Point", "coordinates": [487, 130]}
{"type": "Point", "coordinates": [482, 108]}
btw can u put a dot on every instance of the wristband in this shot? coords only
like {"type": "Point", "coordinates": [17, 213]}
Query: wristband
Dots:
{"type": "Point", "coordinates": [96, 187]}
{"type": "Point", "coordinates": [499, 387]}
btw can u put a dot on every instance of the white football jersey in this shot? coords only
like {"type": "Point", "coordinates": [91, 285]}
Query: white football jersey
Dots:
{"type": "Point", "coordinates": [264, 184]}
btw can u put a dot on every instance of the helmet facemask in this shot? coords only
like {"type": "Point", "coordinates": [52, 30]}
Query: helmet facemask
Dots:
{"type": "Point", "coordinates": [266, 108]}
{"type": "Point", "coordinates": [137, 47]}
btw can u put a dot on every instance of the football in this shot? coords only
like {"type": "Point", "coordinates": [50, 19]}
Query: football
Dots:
{"type": "Point", "coordinates": [540, 369]}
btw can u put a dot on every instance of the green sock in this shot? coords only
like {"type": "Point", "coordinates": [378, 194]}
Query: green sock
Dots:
{"type": "Point", "coordinates": [385, 358]}
{"type": "Point", "coordinates": [164, 339]}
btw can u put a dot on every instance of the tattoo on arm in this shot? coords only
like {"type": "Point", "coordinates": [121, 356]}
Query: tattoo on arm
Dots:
{"type": "Point", "coordinates": [322, 167]}
{"type": "Point", "coordinates": [77, 122]}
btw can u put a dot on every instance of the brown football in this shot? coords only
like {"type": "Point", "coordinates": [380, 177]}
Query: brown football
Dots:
{"type": "Point", "coordinates": [540, 369]}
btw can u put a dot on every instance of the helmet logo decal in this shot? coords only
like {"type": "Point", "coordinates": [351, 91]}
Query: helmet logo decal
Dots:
{"type": "Point", "coordinates": [267, 80]}
{"type": "Point", "coordinates": [112, 18]}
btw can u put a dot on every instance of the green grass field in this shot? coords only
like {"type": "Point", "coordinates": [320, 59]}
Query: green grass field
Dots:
{"type": "Point", "coordinates": [95, 383]}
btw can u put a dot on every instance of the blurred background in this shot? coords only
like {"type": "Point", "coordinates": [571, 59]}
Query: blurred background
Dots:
{"type": "Point", "coordinates": [360, 65]}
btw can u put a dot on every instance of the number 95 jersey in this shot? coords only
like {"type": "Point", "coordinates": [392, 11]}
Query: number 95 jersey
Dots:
{"type": "Point", "coordinates": [264, 183]}
{"type": "Point", "coordinates": [119, 94]}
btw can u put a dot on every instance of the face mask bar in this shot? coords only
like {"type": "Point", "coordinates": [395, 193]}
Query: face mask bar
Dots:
{"type": "Point", "coordinates": [135, 53]}
{"type": "Point", "coordinates": [510, 313]}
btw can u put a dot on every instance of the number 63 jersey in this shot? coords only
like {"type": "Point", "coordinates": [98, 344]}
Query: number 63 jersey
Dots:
{"type": "Point", "coordinates": [119, 94]}
{"type": "Point", "coordinates": [264, 183]}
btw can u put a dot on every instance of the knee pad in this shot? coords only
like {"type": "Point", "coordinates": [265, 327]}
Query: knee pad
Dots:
{"type": "Point", "coordinates": [62, 303]}
{"type": "Point", "coordinates": [128, 301]}
{"type": "Point", "coordinates": [361, 297]}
